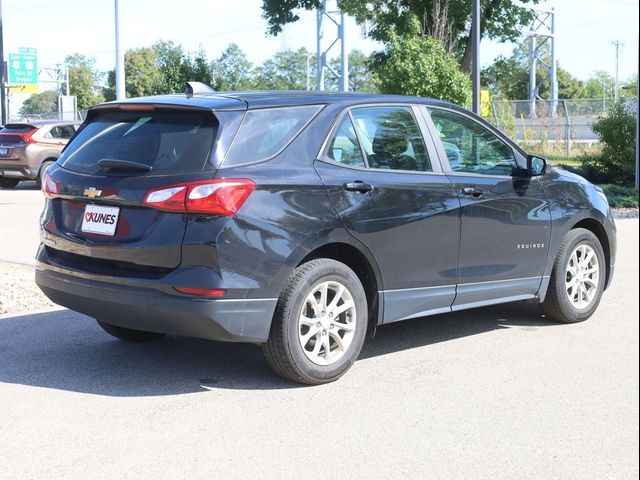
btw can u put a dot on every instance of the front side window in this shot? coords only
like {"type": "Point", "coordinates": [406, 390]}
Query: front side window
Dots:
{"type": "Point", "coordinates": [264, 132]}
{"type": "Point", "coordinates": [391, 138]}
{"type": "Point", "coordinates": [471, 148]}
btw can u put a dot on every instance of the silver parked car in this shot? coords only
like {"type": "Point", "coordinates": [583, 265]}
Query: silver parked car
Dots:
{"type": "Point", "coordinates": [28, 148]}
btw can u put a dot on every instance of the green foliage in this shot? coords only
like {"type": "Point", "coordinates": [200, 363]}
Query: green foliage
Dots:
{"type": "Point", "coordinates": [599, 85]}
{"type": "Point", "coordinates": [360, 76]}
{"type": "Point", "coordinates": [232, 70]}
{"type": "Point", "coordinates": [501, 19]}
{"type": "Point", "coordinates": [621, 197]}
{"type": "Point", "coordinates": [414, 64]}
{"type": "Point", "coordinates": [177, 66]}
{"type": "Point", "coordinates": [40, 104]}
{"type": "Point", "coordinates": [508, 78]}
{"type": "Point", "coordinates": [286, 70]}
{"type": "Point", "coordinates": [616, 163]}
{"type": "Point", "coordinates": [143, 76]}
{"type": "Point", "coordinates": [82, 80]}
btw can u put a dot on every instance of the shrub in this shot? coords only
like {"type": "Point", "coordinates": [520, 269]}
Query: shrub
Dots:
{"type": "Point", "coordinates": [621, 197]}
{"type": "Point", "coordinates": [617, 133]}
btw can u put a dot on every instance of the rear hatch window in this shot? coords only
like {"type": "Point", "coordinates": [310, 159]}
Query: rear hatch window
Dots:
{"type": "Point", "coordinates": [165, 141]}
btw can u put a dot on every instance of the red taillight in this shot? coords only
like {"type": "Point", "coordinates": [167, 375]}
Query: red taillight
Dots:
{"type": "Point", "coordinates": [211, 197]}
{"type": "Point", "coordinates": [206, 292]}
{"type": "Point", "coordinates": [28, 137]}
{"type": "Point", "coordinates": [49, 186]}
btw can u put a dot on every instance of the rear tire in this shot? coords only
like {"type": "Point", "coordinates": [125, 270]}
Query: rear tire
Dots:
{"type": "Point", "coordinates": [8, 182]}
{"type": "Point", "coordinates": [129, 334]}
{"type": "Point", "coordinates": [577, 280]}
{"type": "Point", "coordinates": [319, 325]}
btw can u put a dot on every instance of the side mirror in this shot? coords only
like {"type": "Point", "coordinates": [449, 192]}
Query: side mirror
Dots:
{"type": "Point", "coordinates": [536, 166]}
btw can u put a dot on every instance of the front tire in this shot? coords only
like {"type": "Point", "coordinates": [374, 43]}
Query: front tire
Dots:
{"type": "Point", "coordinates": [577, 280]}
{"type": "Point", "coordinates": [129, 334]}
{"type": "Point", "coordinates": [320, 323]}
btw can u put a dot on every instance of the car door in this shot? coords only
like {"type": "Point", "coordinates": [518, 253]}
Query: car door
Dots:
{"type": "Point", "coordinates": [505, 213]}
{"type": "Point", "coordinates": [388, 188]}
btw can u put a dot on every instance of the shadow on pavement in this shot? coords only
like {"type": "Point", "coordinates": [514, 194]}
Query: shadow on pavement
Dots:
{"type": "Point", "coordinates": [68, 351]}
{"type": "Point", "coordinates": [26, 185]}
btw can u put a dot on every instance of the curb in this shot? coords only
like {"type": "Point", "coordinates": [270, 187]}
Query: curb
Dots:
{"type": "Point", "coordinates": [624, 212]}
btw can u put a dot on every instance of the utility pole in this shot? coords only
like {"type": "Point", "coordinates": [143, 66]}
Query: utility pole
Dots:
{"type": "Point", "coordinates": [637, 128]}
{"type": "Point", "coordinates": [616, 44]}
{"type": "Point", "coordinates": [475, 43]}
{"type": "Point", "coordinates": [3, 73]}
{"type": "Point", "coordinates": [541, 31]}
{"type": "Point", "coordinates": [324, 16]}
{"type": "Point", "coordinates": [120, 81]}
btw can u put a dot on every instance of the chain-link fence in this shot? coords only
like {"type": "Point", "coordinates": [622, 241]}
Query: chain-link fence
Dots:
{"type": "Point", "coordinates": [78, 115]}
{"type": "Point", "coordinates": [561, 122]}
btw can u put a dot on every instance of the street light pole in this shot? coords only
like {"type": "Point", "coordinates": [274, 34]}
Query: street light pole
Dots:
{"type": "Point", "coordinates": [475, 42]}
{"type": "Point", "coordinates": [120, 81]}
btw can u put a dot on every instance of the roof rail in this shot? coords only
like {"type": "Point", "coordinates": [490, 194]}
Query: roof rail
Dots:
{"type": "Point", "coordinates": [197, 88]}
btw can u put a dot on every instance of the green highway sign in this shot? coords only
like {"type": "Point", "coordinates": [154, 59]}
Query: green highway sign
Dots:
{"type": "Point", "coordinates": [23, 66]}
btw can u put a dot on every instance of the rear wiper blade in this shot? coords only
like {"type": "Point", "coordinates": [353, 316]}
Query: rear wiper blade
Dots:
{"type": "Point", "coordinates": [107, 163]}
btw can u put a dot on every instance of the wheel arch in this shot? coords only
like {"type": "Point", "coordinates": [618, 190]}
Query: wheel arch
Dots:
{"type": "Point", "coordinates": [45, 160]}
{"type": "Point", "coordinates": [599, 231]}
{"type": "Point", "coordinates": [364, 267]}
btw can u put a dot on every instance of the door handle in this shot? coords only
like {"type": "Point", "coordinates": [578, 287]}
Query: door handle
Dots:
{"type": "Point", "coordinates": [474, 192]}
{"type": "Point", "coordinates": [358, 186]}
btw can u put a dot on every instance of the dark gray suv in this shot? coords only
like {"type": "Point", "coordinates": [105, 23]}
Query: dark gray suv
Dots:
{"type": "Point", "coordinates": [299, 221]}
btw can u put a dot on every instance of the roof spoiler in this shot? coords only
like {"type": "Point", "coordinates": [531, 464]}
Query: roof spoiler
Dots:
{"type": "Point", "coordinates": [197, 88]}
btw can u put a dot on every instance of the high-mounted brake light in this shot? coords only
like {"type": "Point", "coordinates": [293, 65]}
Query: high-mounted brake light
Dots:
{"type": "Point", "coordinates": [136, 107]}
{"type": "Point", "coordinates": [211, 197]}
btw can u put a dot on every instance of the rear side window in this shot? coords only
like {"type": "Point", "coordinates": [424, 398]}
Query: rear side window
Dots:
{"type": "Point", "coordinates": [169, 142]}
{"type": "Point", "coordinates": [265, 132]}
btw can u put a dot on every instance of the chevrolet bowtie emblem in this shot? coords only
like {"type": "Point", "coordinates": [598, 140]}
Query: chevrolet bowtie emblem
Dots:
{"type": "Point", "coordinates": [92, 192]}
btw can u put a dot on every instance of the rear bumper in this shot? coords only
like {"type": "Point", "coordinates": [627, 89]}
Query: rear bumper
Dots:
{"type": "Point", "coordinates": [17, 170]}
{"type": "Point", "coordinates": [140, 308]}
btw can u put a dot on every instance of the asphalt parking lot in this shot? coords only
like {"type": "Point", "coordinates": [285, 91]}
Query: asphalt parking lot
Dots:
{"type": "Point", "coordinates": [493, 393]}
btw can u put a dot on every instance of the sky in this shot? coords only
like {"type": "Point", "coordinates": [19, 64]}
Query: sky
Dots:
{"type": "Point", "coordinates": [585, 30]}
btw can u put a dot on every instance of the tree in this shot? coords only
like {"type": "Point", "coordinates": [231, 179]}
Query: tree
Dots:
{"type": "Point", "coordinates": [500, 19]}
{"type": "Point", "coordinates": [44, 103]}
{"type": "Point", "coordinates": [169, 61]}
{"type": "Point", "coordinates": [232, 70]}
{"type": "Point", "coordinates": [177, 67]}
{"type": "Point", "coordinates": [600, 85]}
{"type": "Point", "coordinates": [508, 78]}
{"type": "Point", "coordinates": [142, 74]}
{"type": "Point", "coordinates": [415, 64]}
{"type": "Point", "coordinates": [360, 75]}
{"type": "Point", "coordinates": [82, 80]}
{"type": "Point", "coordinates": [286, 70]}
